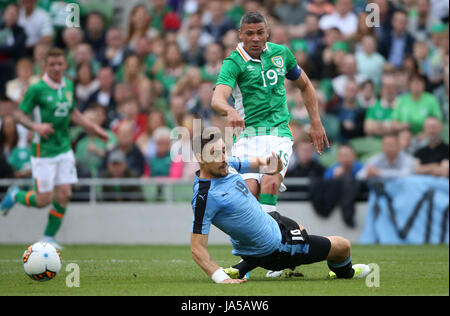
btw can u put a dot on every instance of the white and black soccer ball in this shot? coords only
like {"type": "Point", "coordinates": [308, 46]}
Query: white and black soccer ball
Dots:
{"type": "Point", "coordinates": [41, 261]}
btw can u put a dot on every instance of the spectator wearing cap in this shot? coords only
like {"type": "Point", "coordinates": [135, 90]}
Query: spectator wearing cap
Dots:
{"type": "Point", "coordinates": [343, 18]}
{"type": "Point", "coordinates": [391, 163]}
{"type": "Point", "coordinates": [117, 168]}
{"type": "Point", "coordinates": [433, 158]}
{"type": "Point", "coordinates": [414, 107]}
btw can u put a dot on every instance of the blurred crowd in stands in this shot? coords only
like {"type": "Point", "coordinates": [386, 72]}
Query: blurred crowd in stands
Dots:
{"type": "Point", "coordinates": [382, 89]}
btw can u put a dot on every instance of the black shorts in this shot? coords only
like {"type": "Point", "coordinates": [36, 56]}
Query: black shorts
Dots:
{"type": "Point", "coordinates": [319, 247]}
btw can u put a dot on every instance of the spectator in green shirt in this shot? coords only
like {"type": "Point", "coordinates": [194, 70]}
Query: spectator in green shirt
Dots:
{"type": "Point", "coordinates": [91, 150]}
{"type": "Point", "coordinates": [415, 107]}
{"type": "Point", "coordinates": [378, 120]}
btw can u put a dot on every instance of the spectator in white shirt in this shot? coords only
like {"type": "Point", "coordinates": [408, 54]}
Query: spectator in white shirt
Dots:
{"type": "Point", "coordinates": [349, 70]}
{"type": "Point", "coordinates": [36, 23]}
{"type": "Point", "coordinates": [391, 163]}
{"type": "Point", "coordinates": [343, 18]}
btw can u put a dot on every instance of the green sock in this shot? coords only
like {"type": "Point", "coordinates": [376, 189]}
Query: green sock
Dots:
{"type": "Point", "coordinates": [268, 202]}
{"type": "Point", "coordinates": [55, 218]}
{"type": "Point", "coordinates": [27, 198]}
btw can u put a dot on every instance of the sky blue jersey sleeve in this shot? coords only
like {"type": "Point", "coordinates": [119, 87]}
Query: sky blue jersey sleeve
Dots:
{"type": "Point", "coordinates": [242, 165]}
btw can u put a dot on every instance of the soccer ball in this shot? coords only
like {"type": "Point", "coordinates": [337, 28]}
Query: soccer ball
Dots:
{"type": "Point", "coordinates": [41, 261]}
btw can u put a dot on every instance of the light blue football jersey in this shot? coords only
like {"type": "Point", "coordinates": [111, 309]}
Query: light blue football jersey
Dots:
{"type": "Point", "coordinates": [228, 204]}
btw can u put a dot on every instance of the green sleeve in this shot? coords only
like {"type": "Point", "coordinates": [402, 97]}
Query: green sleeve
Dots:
{"type": "Point", "coordinates": [28, 103]}
{"type": "Point", "coordinates": [229, 73]}
{"type": "Point", "coordinates": [291, 61]}
{"type": "Point", "coordinates": [369, 113]}
{"type": "Point", "coordinates": [435, 108]}
{"type": "Point", "coordinates": [396, 113]}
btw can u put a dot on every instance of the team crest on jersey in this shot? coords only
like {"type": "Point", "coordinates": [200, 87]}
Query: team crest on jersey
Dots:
{"type": "Point", "coordinates": [278, 61]}
{"type": "Point", "coordinates": [69, 97]}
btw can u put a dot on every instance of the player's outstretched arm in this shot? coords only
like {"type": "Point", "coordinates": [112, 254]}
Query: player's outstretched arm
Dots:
{"type": "Point", "coordinates": [220, 104]}
{"type": "Point", "coordinates": [43, 129]}
{"type": "Point", "coordinates": [201, 256]}
{"type": "Point", "coordinates": [268, 165]}
{"type": "Point", "coordinates": [316, 131]}
{"type": "Point", "coordinates": [78, 118]}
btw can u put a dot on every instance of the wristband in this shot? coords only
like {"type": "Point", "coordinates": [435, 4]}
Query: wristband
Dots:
{"type": "Point", "coordinates": [219, 275]}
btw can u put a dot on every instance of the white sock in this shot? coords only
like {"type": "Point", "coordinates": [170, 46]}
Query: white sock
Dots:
{"type": "Point", "coordinates": [269, 208]}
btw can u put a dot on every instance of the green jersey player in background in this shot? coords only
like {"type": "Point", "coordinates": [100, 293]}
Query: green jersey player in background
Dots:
{"type": "Point", "coordinates": [51, 104]}
{"type": "Point", "coordinates": [254, 76]}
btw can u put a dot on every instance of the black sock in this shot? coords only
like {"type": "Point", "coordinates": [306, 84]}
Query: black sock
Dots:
{"type": "Point", "coordinates": [343, 270]}
{"type": "Point", "coordinates": [243, 268]}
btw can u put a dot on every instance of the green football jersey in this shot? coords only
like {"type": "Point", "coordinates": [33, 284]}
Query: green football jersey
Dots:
{"type": "Point", "coordinates": [379, 113]}
{"type": "Point", "coordinates": [258, 88]}
{"type": "Point", "coordinates": [54, 106]}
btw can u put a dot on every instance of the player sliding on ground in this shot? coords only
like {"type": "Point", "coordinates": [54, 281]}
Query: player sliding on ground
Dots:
{"type": "Point", "coordinates": [261, 239]}
{"type": "Point", "coordinates": [254, 75]}
{"type": "Point", "coordinates": [51, 103]}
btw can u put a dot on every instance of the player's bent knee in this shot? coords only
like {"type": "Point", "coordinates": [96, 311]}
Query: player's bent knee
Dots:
{"type": "Point", "coordinates": [340, 248]}
{"type": "Point", "coordinates": [270, 184]}
{"type": "Point", "coordinates": [44, 199]}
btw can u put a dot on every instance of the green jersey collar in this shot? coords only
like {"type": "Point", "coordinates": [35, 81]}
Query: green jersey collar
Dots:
{"type": "Point", "coordinates": [245, 55]}
{"type": "Point", "coordinates": [52, 84]}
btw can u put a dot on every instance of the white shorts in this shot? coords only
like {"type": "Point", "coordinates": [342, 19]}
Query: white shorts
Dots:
{"type": "Point", "coordinates": [50, 172]}
{"type": "Point", "coordinates": [261, 146]}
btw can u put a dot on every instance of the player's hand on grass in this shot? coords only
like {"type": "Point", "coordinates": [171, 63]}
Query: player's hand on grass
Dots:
{"type": "Point", "coordinates": [44, 129]}
{"type": "Point", "coordinates": [233, 281]}
{"type": "Point", "coordinates": [318, 137]}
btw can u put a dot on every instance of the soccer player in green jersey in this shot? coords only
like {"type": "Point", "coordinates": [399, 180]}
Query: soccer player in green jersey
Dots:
{"type": "Point", "coordinates": [254, 76]}
{"type": "Point", "coordinates": [51, 103]}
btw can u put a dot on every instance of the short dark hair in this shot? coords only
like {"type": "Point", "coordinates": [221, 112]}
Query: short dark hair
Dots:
{"type": "Point", "coordinates": [206, 136]}
{"type": "Point", "coordinates": [55, 52]}
{"type": "Point", "coordinates": [252, 17]}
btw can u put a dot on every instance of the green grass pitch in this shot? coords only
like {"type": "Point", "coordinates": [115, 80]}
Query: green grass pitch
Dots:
{"type": "Point", "coordinates": [170, 271]}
